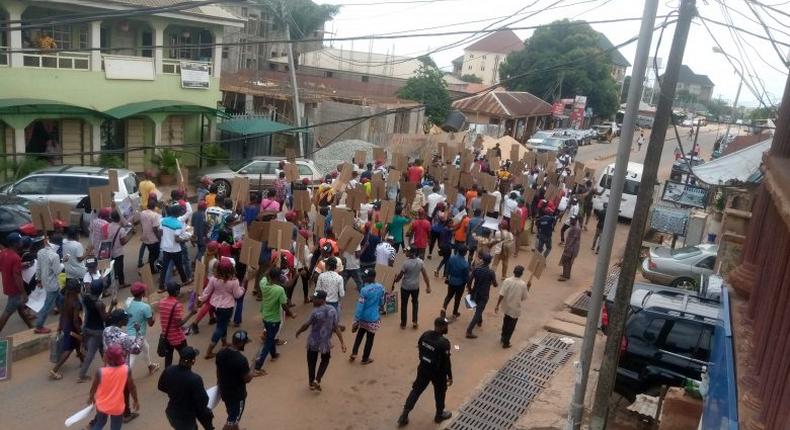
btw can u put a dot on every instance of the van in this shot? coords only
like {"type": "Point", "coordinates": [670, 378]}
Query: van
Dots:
{"type": "Point", "coordinates": [630, 189]}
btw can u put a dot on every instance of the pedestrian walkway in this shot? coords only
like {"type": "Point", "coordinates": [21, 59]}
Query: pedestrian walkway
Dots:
{"type": "Point", "coordinates": [502, 401]}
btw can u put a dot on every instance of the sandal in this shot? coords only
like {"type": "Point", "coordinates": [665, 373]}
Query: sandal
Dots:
{"type": "Point", "coordinates": [210, 356]}
{"type": "Point", "coordinates": [55, 376]}
{"type": "Point", "coordinates": [352, 357]}
{"type": "Point", "coordinates": [131, 416]}
{"type": "Point", "coordinates": [368, 361]}
{"type": "Point", "coordinates": [258, 372]}
{"type": "Point", "coordinates": [313, 386]}
{"type": "Point", "coordinates": [152, 368]}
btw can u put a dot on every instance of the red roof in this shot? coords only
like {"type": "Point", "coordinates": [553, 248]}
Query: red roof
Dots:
{"type": "Point", "coordinates": [504, 104]}
{"type": "Point", "coordinates": [500, 42]}
{"type": "Point", "coordinates": [743, 142]}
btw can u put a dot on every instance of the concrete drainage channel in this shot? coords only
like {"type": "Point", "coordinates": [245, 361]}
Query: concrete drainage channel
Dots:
{"type": "Point", "coordinates": [502, 401]}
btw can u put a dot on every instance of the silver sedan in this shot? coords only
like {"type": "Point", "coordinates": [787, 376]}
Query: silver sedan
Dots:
{"type": "Point", "coordinates": [680, 267]}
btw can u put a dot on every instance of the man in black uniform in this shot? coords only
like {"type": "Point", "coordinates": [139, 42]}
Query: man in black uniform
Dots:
{"type": "Point", "coordinates": [434, 368]}
{"type": "Point", "coordinates": [233, 375]}
{"type": "Point", "coordinates": [188, 398]}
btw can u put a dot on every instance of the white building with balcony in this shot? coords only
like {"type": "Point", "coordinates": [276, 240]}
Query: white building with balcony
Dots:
{"type": "Point", "coordinates": [82, 80]}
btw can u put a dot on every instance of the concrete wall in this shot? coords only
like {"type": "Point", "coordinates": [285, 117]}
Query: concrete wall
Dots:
{"type": "Point", "coordinates": [484, 65]}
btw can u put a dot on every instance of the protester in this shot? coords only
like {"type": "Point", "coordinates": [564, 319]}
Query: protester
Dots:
{"type": "Point", "coordinates": [49, 267]}
{"type": "Point", "coordinates": [93, 328]}
{"type": "Point", "coordinates": [513, 292]}
{"type": "Point", "coordinates": [332, 284]}
{"type": "Point", "coordinates": [573, 212]}
{"type": "Point", "coordinates": [107, 391]}
{"type": "Point", "coordinates": [98, 228]}
{"type": "Point", "coordinates": [571, 250]}
{"type": "Point", "coordinates": [233, 375]}
{"type": "Point", "coordinates": [420, 229]}
{"type": "Point", "coordinates": [222, 291]}
{"type": "Point", "coordinates": [475, 229]}
{"type": "Point", "coordinates": [187, 397]}
{"type": "Point", "coordinates": [146, 187]}
{"type": "Point", "coordinates": [545, 225]}
{"type": "Point", "coordinates": [172, 231]}
{"type": "Point", "coordinates": [601, 218]}
{"type": "Point", "coordinates": [435, 368]}
{"type": "Point", "coordinates": [171, 318]}
{"type": "Point", "coordinates": [13, 285]}
{"type": "Point", "coordinates": [200, 230]}
{"type": "Point", "coordinates": [273, 303]}
{"type": "Point", "coordinates": [445, 246]}
{"type": "Point", "coordinates": [385, 252]}
{"type": "Point", "coordinates": [74, 255]}
{"type": "Point", "coordinates": [114, 334]}
{"type": "Point", "coordinates": [367, 318]}
{"type": "Point", "coordinates": [396, 227]}
{"type": "Point", "coordinates": [140, 318]}
{"type": "Point", "coordinates": [150, 235]}
{"type": "Point", "coordinates": [504, 244]}
{"type": "Point", "coordinates": [457, 277]}
{"type": "Point", "coordinates": [322, 324]}
{"type": "Point", "coordinates": [70, 327]}
{"type": "Point", "coordinates": [410, 272]}
{"type": "Point", "coordinates": [479, 286]}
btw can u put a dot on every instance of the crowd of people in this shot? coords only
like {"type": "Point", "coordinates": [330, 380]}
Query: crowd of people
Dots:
{"type": "Point", "coordinates": [472, 236]}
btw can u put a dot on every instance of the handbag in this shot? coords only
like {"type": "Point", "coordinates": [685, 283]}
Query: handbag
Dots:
{"type": "Point", "coordinates": [105, 248]}
{"type": "Point", "coordinates": [390, 303]}
{"type": "Point", "coordinates": [163, 347]}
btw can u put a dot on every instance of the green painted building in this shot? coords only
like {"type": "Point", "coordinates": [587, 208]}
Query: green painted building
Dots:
{"type": "Point", "coordinates": [81, 80]}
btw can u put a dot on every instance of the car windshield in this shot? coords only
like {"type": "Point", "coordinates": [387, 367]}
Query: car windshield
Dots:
{"type": "Point", "coordinates": [630, 187]}
{"type": "Point", "coordinates": [238, 165]}
{"type": "Point", "coordinates": [686, 252]}
{"type": "Point", "coordinates": [553, 142]}
{"type": "Point", "coordinates": [542, 134]}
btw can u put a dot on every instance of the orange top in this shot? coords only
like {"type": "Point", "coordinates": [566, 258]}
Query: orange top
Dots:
{"type": "Point", "coordinates": [460, 233]}
{"type": "Point", "coordinates": [471, 194]}
{"type": "Point", "coordinates": [109, 393]}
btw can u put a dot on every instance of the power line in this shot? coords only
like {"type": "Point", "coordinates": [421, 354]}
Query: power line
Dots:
{"type": "Point", "coordinates": [742, 30]}
{"type": "Point", "coordinates": [387, 3]}
{"type": "Point", "coordinates": [768, 32]}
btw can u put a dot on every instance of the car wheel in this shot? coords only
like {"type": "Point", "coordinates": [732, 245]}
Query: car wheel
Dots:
{"type": "Point", "coordinates": [223, 188]}
{"type": "Point", "coordinates": [684, 283]}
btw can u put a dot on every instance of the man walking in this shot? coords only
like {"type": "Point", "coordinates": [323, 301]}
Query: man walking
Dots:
{"type": "Point", "coordinates": [274, 302]}
{"type": "Point", "coordinates": [332, 284]}
{"type": "Point", "coordinates": [322, 324]}
{"type": "Point", "coordinates": [188, 400]}
{"type": "Point", "coordinates": [513, 292]}
{"type": "Point", "coordinates": [420, 229]}
{"type": "Point", "coordinates": [571, 250]}
{"type": "Point", "coordinates": [601, 216]}
{"type": "Point", "coordinates": [49, 267]}
{"type": "Point", "coordinates": [150, 235]}
{"type": "Point", "coordinates": [457, 277]}
{"type": "Point", "coordinates": [233, 375]}
{"type": "Point", "coordinates": [482, 279]}
{"type": "Point", "coordinates": [13, 286]}
{"type": "Point", "coordinates": [435, 368]}
{"type": "Point", "coordinates": [410, 273]}
{"type": "Point", "coordinates": [545, 229]}
{"type": "Point", "coordinates": [640, 142]}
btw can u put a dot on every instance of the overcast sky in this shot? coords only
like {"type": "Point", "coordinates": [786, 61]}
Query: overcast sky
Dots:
{"type": "Point", "coordinates": [365, 17]}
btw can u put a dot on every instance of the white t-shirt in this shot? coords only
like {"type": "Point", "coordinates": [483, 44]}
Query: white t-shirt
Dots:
{"type": "Point", "coordinates": [509, 207]}
{"type": "Point", "coordinates": [433, 200]}
{"type": "Point", "coordinates": [364, 210]}
{"type": "Point", "coordinates": [332, 283]}
{"type": "Point", "coordinates": [384, 252]}
{"type": "Point", "coordinates": [498, 196]}
{"type": "Point", "coordinates": [573, 212]}
{"type": "Point", "coordinates": [563, 204]}
{"type": "Point", "coordinates": [168, 242]}
{"type": "Point", "coordinates": [90, 277]}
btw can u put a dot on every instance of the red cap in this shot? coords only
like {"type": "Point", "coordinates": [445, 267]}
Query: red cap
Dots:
{"type": "Point", "coordinates": [224, 250]}
{"type": "Point", "coordinates": [306, 181]}
{"type": "Point", "coordinates": [58, 224]}
{"type": "Point", "coordinates": [202, 205]}
{"type": "Point", "coordinates": [213, 246]}
{"type": "Point", "coordinates": [104, 213]}
{"type": "Point", "coordinates": [138, 289]}
{"type": "Point", "coordinates": [28, 229]}
{"type": "Point", "coordinates": [290, 216]}
{"type": "Point", "coordinates": [225, 264]}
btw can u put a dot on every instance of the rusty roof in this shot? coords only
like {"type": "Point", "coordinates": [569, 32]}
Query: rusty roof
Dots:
{"type": "Point", "coordinates": [504, 104]}
{"type": "Point", "coordinates": [500, 42]}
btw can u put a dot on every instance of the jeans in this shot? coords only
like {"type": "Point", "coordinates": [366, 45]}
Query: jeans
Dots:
{"type": "Point", "coordinates": [49, 303]}
{"type": "Point", "coordinates": [369, 336]}
{"type": "Point", "coordinates": [355, 275]}
{"type": "Point", "coordinates": [239, 308]}
{"type": "Point", "coordinates": [93, 343]}
{"type": "Point", "coordinates": [176, 259]}
{"type": "Point", "coordinates": [101, 419]}
{"type": "Point", "coordinates": [544, 241]}
{"type": "Point", "coordinates": [596, 240]}
{"type": "Point", "coordinates": [312, 359]}
{"type": "Point", "coordinates": [424, 377]}
{"type": "Point", "coordinates": [404, 302]}
{"type": "Point", "coordinates": [456, 292]}
{"type": "Point", "coordinates": [223, 319]}
{"type": "Point", "coordinates": [153, 255]}
{"type": "Point", "coordinates": [185, 259]}
{"type": "Point", "coordinates": [270, 344]}
{"type": "Point", "coordinates": [201, 250]}
{"type": "Point", "coordinates": [478, 316]}
{"type": "Point", "coordinates": [117, 268]}
{"type": "Point", "coordinates": [508, 326]}
{"type": "Point", "coordinates": [169, 355]}
{"type": "Point", "coordinates": [141, 254]}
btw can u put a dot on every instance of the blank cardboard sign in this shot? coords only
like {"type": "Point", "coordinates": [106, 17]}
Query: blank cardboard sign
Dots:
{"type": "Point", "coordinates": [341, 218]}
{"type": "Point", "coordinates": [290, 155]}
{"type": "Point", "coordinates": [378, 190]}
{"type": "Point", "coordinates": [360, 156]}
{"type": "Point", "coordinates": [291, 172]}
{"type": "Point", "coordinates": [379, 154]}
{"type": "Point", "coordinates": [302, 201]}
{"type": "Point", "coordinates": [408, 190]}
{"type": "Point", "coordinates": [349, 239]}
{"type": "Point", "coordinates": [112, 178]}
{"type": "Point", "coordinates": [250, 253]}
{"type": "Point", "coordinates": [394, 176]}
{"type": "Point", "coordinates": [319, 226]}
{"type": "Point", "coordinates": [280, 233]}
{"type": "Point", "coordinates": [41, 216]}
{"type": "Point", "coordinates": [385, 275]}
{"type": "Point", "coordinates": [487, 203]}
{"type": "Point", "coordinates": [257, 230]}
{"type": "Point", "coordinates": [387, 211]}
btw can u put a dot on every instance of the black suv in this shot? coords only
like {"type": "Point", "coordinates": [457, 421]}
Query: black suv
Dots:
{"type": "Point", "coordinates": [666, 340]}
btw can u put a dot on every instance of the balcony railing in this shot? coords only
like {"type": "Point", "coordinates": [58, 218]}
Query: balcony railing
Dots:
{"type": "Point", "coordinates": [4, 55]}
{"type": "Point", "coordinates": [58, 60]}
{"type": "Point", "coordinates": [171, 66]}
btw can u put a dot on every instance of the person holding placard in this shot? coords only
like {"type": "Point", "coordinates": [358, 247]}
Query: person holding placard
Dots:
{"type": "Point", "coordinates": [513, 292]}
{"type": "Point", "coordinates": [479, 287]}
{"type": "Point", "coordinates": [367, 318]}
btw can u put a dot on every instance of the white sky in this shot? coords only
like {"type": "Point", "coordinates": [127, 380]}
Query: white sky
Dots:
{"type": "Point", "coordinates": [380, 18]}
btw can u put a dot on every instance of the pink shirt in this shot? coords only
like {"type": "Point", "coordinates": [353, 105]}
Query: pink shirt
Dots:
{"type": "Point", "coordinates": [223, 293]}
{"type": "Point", "coordinates": [270, 205]}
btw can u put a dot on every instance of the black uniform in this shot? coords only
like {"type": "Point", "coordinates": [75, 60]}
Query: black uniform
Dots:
{"type": "Point", "coordinates": [434, 368]}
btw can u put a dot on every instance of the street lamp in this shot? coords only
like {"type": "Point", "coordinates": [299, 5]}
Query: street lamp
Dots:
{"type": "Point", "coordinates": [718, 50]}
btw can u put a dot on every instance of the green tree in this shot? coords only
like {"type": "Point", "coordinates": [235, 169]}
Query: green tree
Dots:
{"type": "Point", "coordinates": [718, 108]}
{"type": "Point", "coordinates": [472, 79]}
{"type": "Point", "coordinates": [764, 112]}
{"type": "Point", "coordinates": [428, 88]}
{"type": "Point", "coordinates": [303, 16]}
{"type": "Point", "coordinates": [564, 60]}
{"type": "Point", "coordinates": [624, 91]}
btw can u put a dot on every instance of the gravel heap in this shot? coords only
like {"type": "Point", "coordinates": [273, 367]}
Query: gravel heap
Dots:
{"type": "Point", "coordinates": [327, 159]}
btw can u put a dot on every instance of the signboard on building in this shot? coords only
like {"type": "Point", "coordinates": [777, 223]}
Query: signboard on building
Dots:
{"type": "Point", "coordinates": [669, 220]}
{"type": "Point", "coordinates": [129, 68]}
{"type": "Point", "coordinates": [558, 108]}
{"type": "Point", "coordinates": [5, 358]}
{"type": "Point", "coordinates": [195, 75]}
{"type": "Point", "coordinates": [577, 114]}
{"type": "Point", "coordinates": [684, 194]}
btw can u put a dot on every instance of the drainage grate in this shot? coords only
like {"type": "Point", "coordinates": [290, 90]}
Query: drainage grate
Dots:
{"type": "Point", "coordinates": [505, 398]}
{"type": "Point", "coordinates": [581, 305]}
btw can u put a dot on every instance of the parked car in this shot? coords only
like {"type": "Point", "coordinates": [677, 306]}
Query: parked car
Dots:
{"type": "Point", "coordinates": [666, 341]}
{"type": "Point", "coordinates": [69, 184]}
{"type": "Point", "coordinates": [263, 169]}
{"type": "Point", "coordinates": [680, 267]}
{"type": "Point", "coordinates": [680, 167]}
{"type": "Point", "coordinates": [13, 214]}
{"type": "Point", "coordinates": [558, 144]}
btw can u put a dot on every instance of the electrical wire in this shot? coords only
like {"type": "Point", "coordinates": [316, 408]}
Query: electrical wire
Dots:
{"type": "Point", "coordinates": [742, 30]}
{"type": "Point", "coordinates": [768, 32]}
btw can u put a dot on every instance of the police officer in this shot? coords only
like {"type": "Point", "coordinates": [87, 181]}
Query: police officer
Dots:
{"type": "Point", "coordinates": [434, 368]}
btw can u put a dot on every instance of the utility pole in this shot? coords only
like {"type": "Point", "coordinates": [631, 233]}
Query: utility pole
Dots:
{"type": "Point", "coordinates": [606, 377]}
{"type": "Point", "coordinates": [294, 85]}
{"type": "Point", "coordinates": [613, 209]}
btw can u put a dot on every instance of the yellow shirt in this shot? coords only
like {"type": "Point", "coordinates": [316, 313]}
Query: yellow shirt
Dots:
{"type": "Point", "coordinates": [211, 199]}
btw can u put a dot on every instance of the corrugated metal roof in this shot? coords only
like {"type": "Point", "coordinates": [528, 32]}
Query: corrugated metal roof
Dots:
{"type": "Point", "coordinates": [504, 104]}
{"type": "Point", "coordinates": [738, 167]}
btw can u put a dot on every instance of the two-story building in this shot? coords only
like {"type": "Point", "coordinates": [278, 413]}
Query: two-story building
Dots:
{"type": "Point", "coordinates": [84, 79]}
{"type": "Point", "coordinates": [699, 88]}
{"type": "Point", "coordinates": [484, 57]}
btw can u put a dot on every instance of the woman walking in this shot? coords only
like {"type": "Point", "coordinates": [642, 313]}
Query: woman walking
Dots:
{"type": "Point", "coordinates": [367, 319]}
{"type": "Point", "coordinates": [223, 289]}
{"type": "Point", "coordinates": [108, 387]}
{"type": "Point", "coordinates": [95, 315]}
{"type": "Point", "coordinates": [70, 327]}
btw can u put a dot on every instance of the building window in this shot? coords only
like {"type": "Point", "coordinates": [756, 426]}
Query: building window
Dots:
{"type": "Point", "coordinates": [469, 67]}
{"type": "Point", "coordinates": [483, 68]}
{"type": "Point", "coordinates": [365, 78]}
{"type": "Point", "coordinates": [225, 52]}
{"type": "Point", "coordinates": [484, 57]}
{"type": "Point", "coordinates": [471, 56]}
{"type": "Point", "coordinates": [328, 74]}
{"type": "Point", "coordinates": [244, 11]}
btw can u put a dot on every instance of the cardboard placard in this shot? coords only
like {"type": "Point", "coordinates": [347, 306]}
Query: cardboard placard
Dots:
{"type": "Point", "coordinates": [466, 160]}
{"type": "Point", "coordinates": [301, 242]}
{"type": "Point", "coordinates": [552, 192]}
{"type": "Point", "coordinates": [349, 239]}
{"type": "Point", "coordinates": [543, 159]}
{"type": "Point", "coordinates": [238, 187]}
{"type": "Point", "coordinates": [290, 155]}
{"type": "Point", "coordinates": [553, 178]}
{"type": "Point", "coordinates": [529, 194]}
{"type": "Point", "coordinates": [451, 193]}
{"type": "Point", "coordinates": [340, 219]}
{"type": "Point", "coordinates": [589, 173]}
{"type": "Point", "coordinates": [100, 197]}
{"type": "Point", "coordinates": [515, 221]}
{"type": "Point", "coordinates": [551, 160]}
{"type": "Point", "coordinates": [436, 172]}
{"type": "Point", "coordinates": [531, 158]}
{"type": "Point", "coordinates": [385, 275]}
{"type": "Point", "coordinates": [360, 156]}
{"type": "Point", "coordinates": [408, 190]}
{"type": "Point", "coordinates": [302, 201]}
{"type": "Point", "coordinates": [387, 211]}
{"type": "Point", "coordinates": [493, 163]}
{"type": "Point", "coordinates": [466, 180]}
{"type": "Point", "coordinates": [487, 182]}
{"type": "Point", "coordinates": [112, 178]}
{"type": "Point", "coordinates": [516, 167]}
{"type": "Point", "coordinates": [394, 176]}
{"type": "Point", "coordinates": [280, 234]}
{"type": "Point", "coordinates": [355, 197]}
{"type": "Point", "coordinates": [487, 203]}
{"type": "Point", "coordinates": [400, 161]}
{"type": "Point", "coordinates": [61, 211]}
{"type": "Point", "coordinates": [453, 176]}
{"type": "Point", "coordinates": [291, 172]}
{"type": "Point", "coordinates": [445, 152]}
{"type": "Point", "coordinates": [513, 153]}
{"type": "Point", "coordinates": [41, 216]}
{"type": "Point", "coordinates": [200, 276]}
{"type": "Point", "coordinates": [379, 155]}
{"type": "Point", "coordinates": [537, 264]}
{"type": "Point", "coordinates": [578, 166]}
{"type": "Point", "coordinates": [257, 229]}
{"type": "Point", "coordinates": [319, 226]}
{"type": "Point", "coordinates": [251, 253]}
{"type": "Point", "coordinates": [378, 190]}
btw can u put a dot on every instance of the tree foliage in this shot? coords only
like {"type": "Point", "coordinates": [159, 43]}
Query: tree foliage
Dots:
{"type": "Point", "coordinates": [764, 112]}
{"type": "Point", "coordinates": [303, 16]}
{"type": "Point", "coordinates": [570, 54]}
{"type": "Point", "coordinates": [718, 108]}
{"type": "Point", "coordinates": [472, 79]}
{"type": "Point", "coordinates": [428, 87]}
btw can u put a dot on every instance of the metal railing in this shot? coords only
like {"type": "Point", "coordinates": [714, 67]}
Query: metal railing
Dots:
{"type": "Point", "coordinates": [58, 60]}
{"type": "Point", "coordinates": [4, 56]}
{"type": "Point", "coordinates": [172, 66]}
